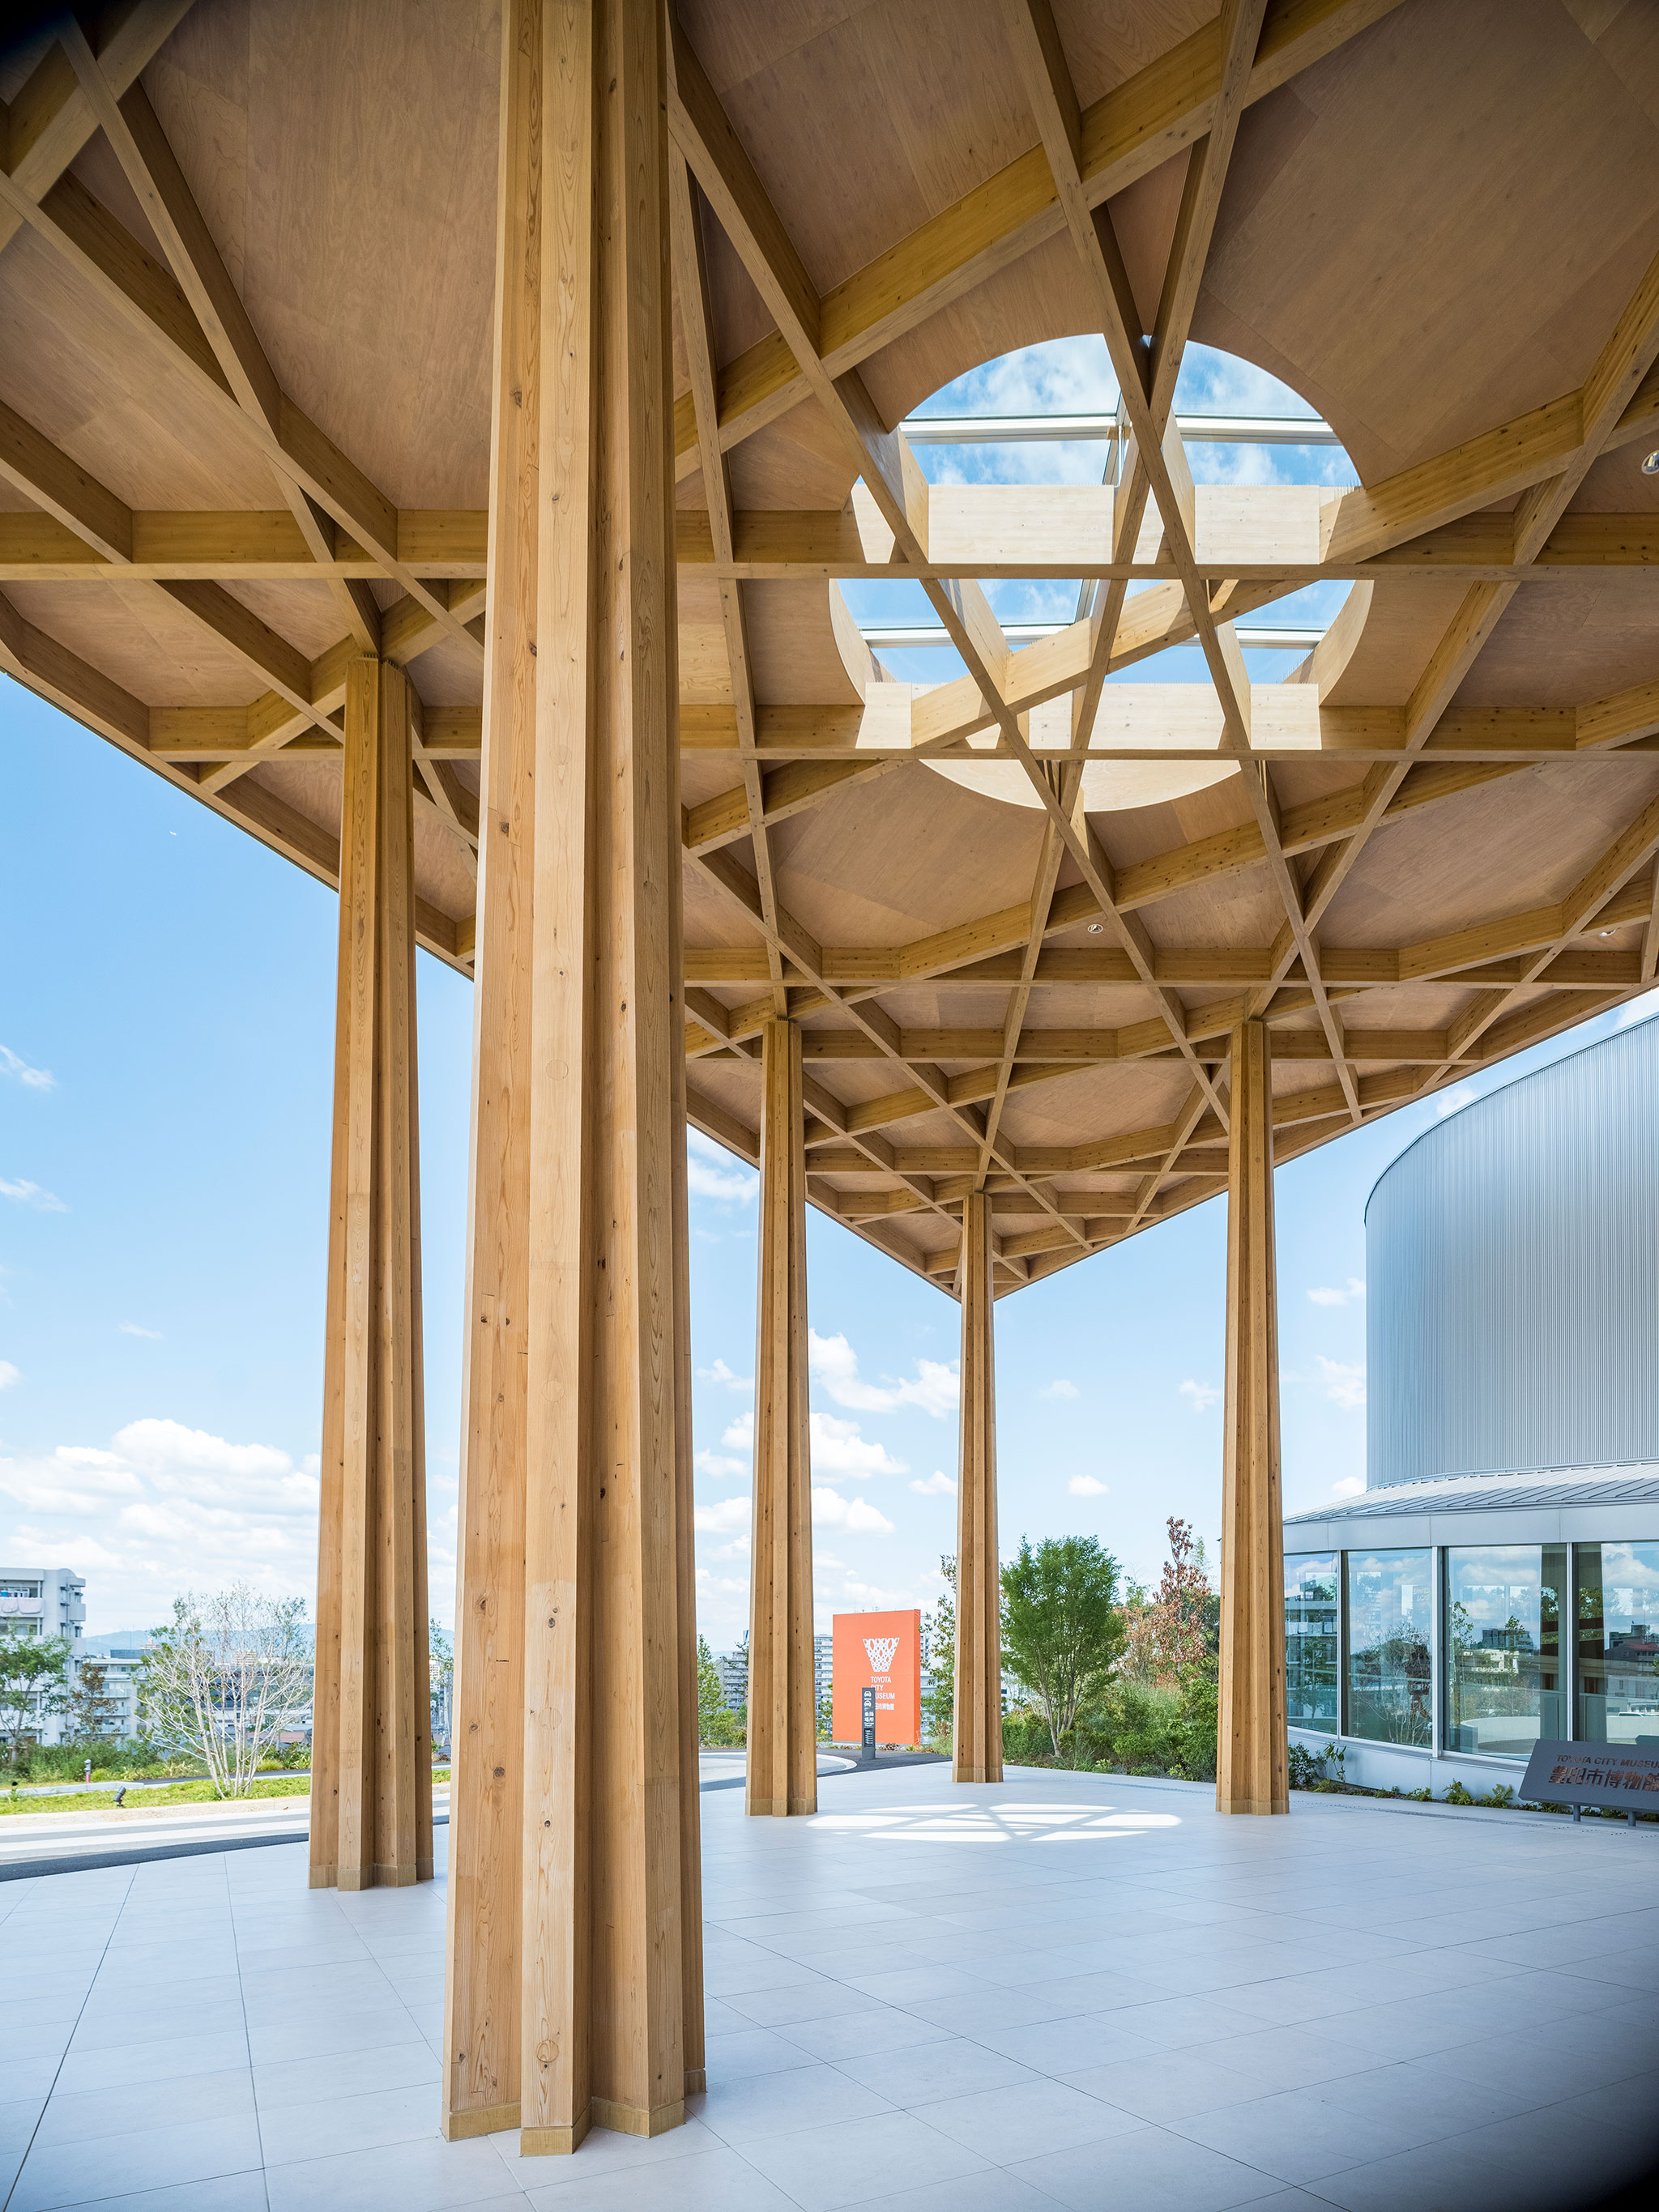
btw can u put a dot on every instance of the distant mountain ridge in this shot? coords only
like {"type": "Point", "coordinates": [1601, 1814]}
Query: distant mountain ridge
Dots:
{"type": "Point", "coordinates": [134, 1639]}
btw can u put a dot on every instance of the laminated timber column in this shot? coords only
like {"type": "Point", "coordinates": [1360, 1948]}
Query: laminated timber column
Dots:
{"type": "Point", "coordinates": [1251, 1758]}
{"type": "Point", "coordinates": [978, 1733]}
{"type": "Point", "coordinates": [783, 1759]}
{"type": "Point", "coordinates": [574, 1989]}
{"type": "Point", "coordinates": [371, 1768]}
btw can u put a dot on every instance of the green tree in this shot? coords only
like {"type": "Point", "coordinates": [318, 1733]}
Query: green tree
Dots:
{"type": "Point", "coordinates": [33, 1678]}
{"type": "Point", "coordinates": [220, 1679]}
{"type": "Point", "coordinates": [441, 1666]}
{"type": "Point", "coordinates": [711, 1698]}
{"type": "Point", "coordinates": [95, 1715]}
{"type": "Point", "coordinates": [1061, 1628]}
{"type": "Point", "coordinates": [938, 1656]}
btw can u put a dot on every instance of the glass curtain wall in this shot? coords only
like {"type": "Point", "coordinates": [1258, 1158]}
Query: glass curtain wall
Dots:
{"type": "Point", "coordinates": [1504, 1684]}
{"type": "Point", "coordinates": [1617, 1610]}
{"type": "Point", "coordinates": [1390, 1608]}
{"type": "Point", "coordinates": [1311, 1612]}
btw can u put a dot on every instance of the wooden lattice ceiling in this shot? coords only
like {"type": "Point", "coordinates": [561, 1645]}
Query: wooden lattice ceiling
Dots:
{"type": "Point", "coordinates": [246, 284]}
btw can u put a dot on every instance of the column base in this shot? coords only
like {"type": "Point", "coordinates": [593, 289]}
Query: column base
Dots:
{"type": "Point", "coordinates": [321, 1877]}
{"type": "Point", "coordinates": [601, 2112]}
{"type": "Point", "coordinates": [376, 1877]}
{"type": "Point", "coordinates": [696, 2080]}
{"type": "Point", "coordinates": [781, 1808]}
{"type": "Point", "coordinates": [479, 2120]}
{"type": "Point", "coordinates": [1253, 1805]}
{"type": "Point", "coordinates": [977, 1773]}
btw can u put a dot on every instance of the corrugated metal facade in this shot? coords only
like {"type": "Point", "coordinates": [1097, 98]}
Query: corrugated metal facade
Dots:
{"type": "Point", "coordinates": [1512, 1258]}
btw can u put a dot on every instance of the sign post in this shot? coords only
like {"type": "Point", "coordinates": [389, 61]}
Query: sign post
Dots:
{"type": "Point", "coordinates": [869, 1751]}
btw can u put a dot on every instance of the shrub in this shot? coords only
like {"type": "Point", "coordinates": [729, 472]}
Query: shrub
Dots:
{"type": "Point", "coordinates": [724, 1730]}
{"type": "Point", "coordinates": [1499, 1794]}
{"type": "Point", "coordinates": [1457, 1794]}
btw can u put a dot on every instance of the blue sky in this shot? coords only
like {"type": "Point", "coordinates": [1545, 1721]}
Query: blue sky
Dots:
{"type": "Point", "coordinates": [165, 1041]}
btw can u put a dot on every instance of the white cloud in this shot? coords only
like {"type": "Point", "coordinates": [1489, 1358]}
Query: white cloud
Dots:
{"type": "Point", "coordinates": [831, 1510]}
{"type": "Point", "coordinates": [937, 1485]}
{"type": "Point", "coordinates": [1452, 1102]}
{"type": "Point", "coordinates": [737, 1549]}
{"type": "Point", "coordinates": [1344, 1381]}
{"type": "Point", "coordinates": [741, 1433]}
{"type": "Point", "coordinates": [30, 1193]}
{"type": "Point", "coordinates": [1350, 1485]}
{"type": "Point", "coordinates": [712, 1172]}
{"type": "Point", "coordinates": [32, 1078]}
{"type": "Point", "coordinates": [1060, 1387]}
{"type": "Point", "coordinates": [709, 1462]}
{"type": "Point", "coordinates": [1203, 1395]}
{"type": "Point", "coordinates": [731, 1513]}
{"type": "Point", "coordinates": [131, 1328]}
{"type": "Point", "coordinates": [721, 1373]}
{"type": "Point", "coordinates": [9, 1375]}
{"type": "Point", "coordinates": [172, 1507]}
{"type": "Point", "coordinates": [839, 1447]}
{"type": "Point", "coordinates": [1086, 1485]}
{"type": "Point", "coordinates": [935, 1386]}
{"type": "Point", "coordinates": [1329, 1295]}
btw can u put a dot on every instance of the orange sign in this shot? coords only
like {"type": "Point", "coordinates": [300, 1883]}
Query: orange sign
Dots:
{"type": "Point", "coordinates": [881, 1650]}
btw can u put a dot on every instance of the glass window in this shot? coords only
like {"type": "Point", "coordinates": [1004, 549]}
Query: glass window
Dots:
{"type": "Point", "coordinates": [1310, 1632]}
{"type": "Point", "coordinates": [1504, 1687]}
{"type": "Point", "coordinates": [1390, 1603]}
{"type": "Point", "coordinates": [1618, 1614]}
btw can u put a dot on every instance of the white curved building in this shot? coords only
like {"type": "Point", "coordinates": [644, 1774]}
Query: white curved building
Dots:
{"type": "Point", "coordinates": [1498, 1580]}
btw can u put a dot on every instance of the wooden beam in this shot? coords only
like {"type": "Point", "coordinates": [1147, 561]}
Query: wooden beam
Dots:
{"type": "Point", "coordinates": [573, 1986]}
{"type": "Point", "coordinates": [1132, 130]}
{"type": "Point", "coordinates": [1250, 1772]}
{"type": "Point", "coordinates": [371, 1767]}
{"type": "Point", "coordinates": [977, 1707]}
{"type": "Point", "coordinates": [50, 121]}
{"type": "Point", "coordinates": [782, 1764]}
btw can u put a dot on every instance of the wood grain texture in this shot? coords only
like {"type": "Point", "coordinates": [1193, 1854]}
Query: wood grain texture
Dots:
{"type": "Point", "coordinates": [978, 1735]}
{"type": "Point", "coordinates": [371, 1786]}
{"type": "Point", "coordinates": [782, 1769]}
{"type": "Point", "coordinates": [1250, 1771]}
{"type": "Point", "coordinates": [568, 1960]}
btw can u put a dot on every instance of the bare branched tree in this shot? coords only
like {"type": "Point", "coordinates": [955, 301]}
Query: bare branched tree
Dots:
{"type": "Point", "coordinates": [221, 1680]}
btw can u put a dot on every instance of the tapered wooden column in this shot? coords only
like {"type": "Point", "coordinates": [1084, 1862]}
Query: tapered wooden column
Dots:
{"type": "Point", "coordinates": [978, 1737]}
{"type": "Point", "coordinates": [1250, 1770]}
{"type": "Point", "coordinates": [783, 1763]}
{"type": "Point", "coordinates": [574, 1989]}
{"type": "Point", "coordinates": [371, 1763]}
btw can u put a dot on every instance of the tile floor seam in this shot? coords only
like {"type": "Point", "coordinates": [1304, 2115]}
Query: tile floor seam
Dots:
{"type": "Point", "coordinates": [58, 2071]}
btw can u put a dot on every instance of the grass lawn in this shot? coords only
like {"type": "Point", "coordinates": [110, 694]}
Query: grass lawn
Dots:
{"type": "Point", "coordinates": [147, 1801]}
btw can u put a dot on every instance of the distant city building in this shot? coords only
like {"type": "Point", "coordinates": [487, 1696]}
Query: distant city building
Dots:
{"type": "Point", "coordinates": [732, 1667]}
{"type": "Point", "coordinates": [824, 1667]}
{"type": "Point", "coordinates": [1495, 1583]}
{"type": "Point", "coordinates": [45, 1602]}
{"type": "Point", "coordinates": [122, 1669]}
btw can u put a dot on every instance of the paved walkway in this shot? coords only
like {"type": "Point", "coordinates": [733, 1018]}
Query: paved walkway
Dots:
{"type": "Point", "coordinates": [1066, 1991]}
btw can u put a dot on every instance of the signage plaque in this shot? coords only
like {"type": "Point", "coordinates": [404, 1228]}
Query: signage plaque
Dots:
{"type": "Point", "coordinates": [879, 1654]}
{"type": "Point", "coordinates": [1622, 1777]}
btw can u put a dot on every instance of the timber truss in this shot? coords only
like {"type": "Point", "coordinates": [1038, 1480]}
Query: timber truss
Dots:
{"type": "Point", "coordinates": [1407, 877]}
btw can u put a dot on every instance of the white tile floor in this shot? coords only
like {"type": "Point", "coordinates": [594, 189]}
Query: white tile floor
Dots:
{"type": "Point", "coordinates": [1066, 1991]}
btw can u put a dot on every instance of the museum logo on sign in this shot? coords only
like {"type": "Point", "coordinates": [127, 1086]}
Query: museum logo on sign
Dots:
{"type": "Point", "coordinates": [878, 1650]}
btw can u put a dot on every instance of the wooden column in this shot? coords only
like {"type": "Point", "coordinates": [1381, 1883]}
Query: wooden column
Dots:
{"type": "Point", "coordinates": [783, 1765]}
{"type": "Point", "coordinates": [371, 1764]}
{"type": "Point", "coordinates": [1250, 1770]}
{"type": "Point", "coordinates": [979, 1589]}
{"type": "Point", "coordinates": [573, 1992]}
